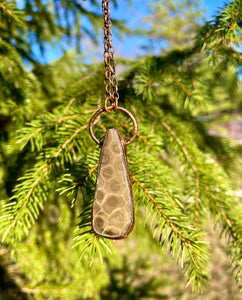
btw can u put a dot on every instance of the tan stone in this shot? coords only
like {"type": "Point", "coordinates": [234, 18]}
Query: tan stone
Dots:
{"type": "Point", "coordinates": [113, 207]}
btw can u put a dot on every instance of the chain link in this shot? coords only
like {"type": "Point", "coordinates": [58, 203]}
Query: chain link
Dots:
{"type": "Point", "coordinates": [110, 81]}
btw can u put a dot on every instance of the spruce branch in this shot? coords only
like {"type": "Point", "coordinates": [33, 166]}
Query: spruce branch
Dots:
{"type": "Point", "coordinates": [85, 240]}
{"type": "Point", "coordinates": [181, 174]}
{"type": "Point", "coordinates": [30, 196]}
{"type": "Point", "coordinates": [232, 226]}
{"type": "Point", "coordinates": [6, 9]}
{"type": "Point", "coordinates": [10, 69]}
{"type": "Point", "coordinates": [186, 242]}
{"type": "Point", "coordinates": [87, 76]}
{"type": "Point", "coordinates": [9, 8]}
{"type": "Point", "coordinates": [85, 177]}
{"type": "Point", "coordinates": [179, 84]}
{"type": "Point", "coordinates": [193, 167]}
{"type": "Point", "coordinates": [191, 253]}
{"type": "Point", "coordinates": [30, 133]}
{"type": "Point", "coordinates": [224, 29]}
{"type": "Point", "coordinates": [130, 129]}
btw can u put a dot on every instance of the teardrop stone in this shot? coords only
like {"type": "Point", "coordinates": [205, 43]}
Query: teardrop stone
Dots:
{"type": "Point", "coordinates": [113, 205]}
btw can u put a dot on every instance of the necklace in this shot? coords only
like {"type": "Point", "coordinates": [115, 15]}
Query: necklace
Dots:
{"type": "Point", "coordinates": [113, 204]}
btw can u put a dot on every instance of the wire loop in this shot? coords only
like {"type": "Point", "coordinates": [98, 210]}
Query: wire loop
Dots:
{"type": "Point", "coordinates": [110, 108]}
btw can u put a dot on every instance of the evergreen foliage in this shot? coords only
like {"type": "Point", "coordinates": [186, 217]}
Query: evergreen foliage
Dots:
{"type": "Point", "coordinates": [182, 176]}
{"type": "Point", "coordinates": [185, 15]}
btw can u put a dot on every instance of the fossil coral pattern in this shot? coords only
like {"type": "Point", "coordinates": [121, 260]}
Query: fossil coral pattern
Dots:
{"type": "Point", "coordinates": [112, 214]}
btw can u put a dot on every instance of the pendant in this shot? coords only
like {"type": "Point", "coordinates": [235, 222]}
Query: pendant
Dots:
{"type": "Point", "coordinates": [113, 204]}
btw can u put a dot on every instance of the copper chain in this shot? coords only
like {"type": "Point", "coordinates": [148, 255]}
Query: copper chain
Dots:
{"type": "Point", "coordinates": [110, 81]}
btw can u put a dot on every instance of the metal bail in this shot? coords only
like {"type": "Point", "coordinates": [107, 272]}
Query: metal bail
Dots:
{"type": "Point", "coordinates": [113, 206]}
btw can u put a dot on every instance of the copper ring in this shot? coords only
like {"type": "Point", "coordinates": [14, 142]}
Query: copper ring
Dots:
{"type": "Point", "coordinates": [101, 110]}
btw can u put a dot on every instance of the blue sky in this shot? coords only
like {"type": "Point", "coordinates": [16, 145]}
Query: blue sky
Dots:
{"type": "Point", "coordinates": [129, 46]}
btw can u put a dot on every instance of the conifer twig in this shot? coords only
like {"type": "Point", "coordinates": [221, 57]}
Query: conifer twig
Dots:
{"type": "Point", "coordinates": [45, 169]}
{"type": "Point", "coordinates": [168, 194]}
{"type": "Point", "coordinates": [226, 219]}
{"type": "Point", "coordinates": [178, 84]}
{"type": "Point", "coordinates": [57, 121]}
{"type": "Point", "coordinates": [191, 75]}
{"type": "Point", "coordinates": [130, 128]}
{"type": "Point", "coordinates": [69, 140]}
{"type": "Point", "coordinates": [231, 26]}
{"type": "Point", "coordinates": [10, 69]}
{"type": "Point", "coordinates": [212, 30]}
{"type": "Point", "coordinates": [87, 76]}
{"type": "Point", "coordinates": [74, 99]}
{"type": "Point", "coordinates": [194, 168]}
{"type": "Point", "coordinates": [186, 241]}
{"type": "Point", "coordinates": [6, 9]}
{"type": "Point", "coordinates": [85, 177]}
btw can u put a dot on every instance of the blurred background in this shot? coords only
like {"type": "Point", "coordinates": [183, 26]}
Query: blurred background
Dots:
{"type": "Point", "coordinates": [43, 44]}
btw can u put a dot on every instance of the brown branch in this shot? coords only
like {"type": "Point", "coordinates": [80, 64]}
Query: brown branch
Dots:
{"type": "Point", "coordinates": [74, 99]}
{"type": "Point", "coordinates": [69, 140]}
{"type": "Point", "coordinates": [198, 96]}
{"type": "Point", "coordinates": [58, 121]}
{"type": "Point", "coordinates": [151, 176]}
{"type": "Point", "coordinates": [130, 128]}
{"type": "Point", "coordinates": [179, 84]}
{"type": "Point", "coordinates": [212, 30]}
{"type": "Point", "coordinates": [191, 76]}
{"type": "Point", "coordinates": [10, 69]}
{"type": "Point", "coordinates": [196, 214]}
{"type": "Point", "coordinates": [61, 119]}
{"type": "Point", "coordinates": [173, 227]}
{"type": "Point", "coordinates": [25, 260]}
{"type": "Point", "coordinates": [179, 142]}
{"type": "Point", "coordinates": [132, 106]}
{"type": "Point", "coordinates": [46, 168]}
{"type": "Point", "coordinates": [7, 10]}
{"type": "Point", "coordinates": [85, 177]}
{"type": "Point", "coordinates": [194, 168]}
{"type": "Point", "coordinates": [31, 191]}
{"type": "Point", "coordinates": [3, 251]}
{"type": "Point", "coordinates": [102, 127]}
{"type": "Point", "coordinates": [231, 26]}
{"type": "Point", "coordinates": [87, 76]}
{"type": "Point", "coordinates": [69, 104]}
{"type": "Point", "coordinates": [236, 55]}
{"type": "Point", "coordinates": [226, 219]}
{"type": "Point", "coordinates": [37, 131]}
{"type": "Point", "coordinates": [31, 291]}
{"type": "Point", "coordinates": [40, 291]}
